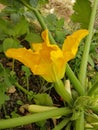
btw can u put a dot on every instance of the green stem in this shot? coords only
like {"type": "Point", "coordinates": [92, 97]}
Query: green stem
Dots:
{"type": "Point", "coordinates": [93, 89]}
{"type": "Point", "coordinates": [13, 65]}
{"type": "Point", "coordinates": [22, 89]}
{"type": "Point", "coordinates": [27, 82]}
{"type": "Point", "coordinates": [40, 19]}
{"type": "Point", "coordinates": [79, 123]}
{"type": "Point", "coordinates": [61, 124]}
{"type": "Point", "coordinates": [59, 87]}
{"type": "Point", "coordinates": [83, 67]}
{"type": "Point", "coordinates": [77, 85]}
{"type": "Point", "coordinates": [9, 123]}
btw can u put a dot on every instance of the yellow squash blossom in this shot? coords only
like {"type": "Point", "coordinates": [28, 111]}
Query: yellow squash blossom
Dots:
{"type": "Point", "coordinates": [48, 60]}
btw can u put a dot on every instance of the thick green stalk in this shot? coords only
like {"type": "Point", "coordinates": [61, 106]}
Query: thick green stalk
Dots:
{"type": "Point", "coordinates": [79, 123]}
{"type": "Point", "coordinates": [9, 123]}
{"type": "Point", "coordinates": [93, 89]}
{"type": "Point", "coordinates": [61, 124]}
{"type": "Point", "coordinates": [83, 67]}
{"type": "Point", "coordinates": [77, 85]}
{"type": "Point", "coordinates": [69, 72]}
{"type": "Point", "coordinates": [60, 89]}
{"type": "Point", "coordinates": [36, 12]}
{"type": "Point", "coordinates": [40, 19]}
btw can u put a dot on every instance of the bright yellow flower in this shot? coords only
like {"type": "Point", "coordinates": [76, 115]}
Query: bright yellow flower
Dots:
{"type": "Point", "coordinates": [48, 60]}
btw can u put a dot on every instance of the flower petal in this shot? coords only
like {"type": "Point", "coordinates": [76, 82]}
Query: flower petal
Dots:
{"type": "Point", "coordinates": [58, 63]}
{"type": "Point", "coordinates": [37, 46]}
{"type": "Point", "coordinates": [26, 56]}
{"type": "Point", "coordinates": [48, 60]}
{"type": "Point", "coordinates": [71, 44]}
{"type": "Point", "coordinates": [45, 37]}
{"type": "Point", "coordinates": [51, 64]}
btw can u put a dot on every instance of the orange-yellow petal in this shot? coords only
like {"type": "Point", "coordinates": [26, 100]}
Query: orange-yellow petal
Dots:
{"type": "Point", "coordinates": [45, 37]}
{"type": "Point", "coordinates": [26, 56]}
{"type": "Point", "coordinates": [37, 46]}
{"type": "Point", "coordinates": [51, 60]}
{"type": "Point", "coordinates": [71, 44]}
{"type": "Point", "coordinates": [48, 60]}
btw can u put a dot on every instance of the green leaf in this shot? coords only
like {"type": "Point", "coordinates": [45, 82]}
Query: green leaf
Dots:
{"type": "Point", "coordinates": [42, 2]}
{"type": "Point", "coordinates": [1, 48]}
{"type": "Point", "coordinates": [3, 98]}
{"type": "Point", "coordinates": [51, 21]}
{"type": "Point", "coordinates": [6, 2]}
{"type": "Point", "coordinates": [14, 28]}
{"type": "Point", "coordinates": [14, 114]}
{"type": "Point", "coordinates": [34, 3]}
{"type": "Point", "coordinates": [8, 78]}
{"type": "Point", "coordinates": [21, 27]}
{"type": "Point", "coordinates": [11, 3]}
{"type": "Point", "coordinates": [60, 36]}
{"type": "Point", "coordinates": [26, 70]}
{"type": "Point", "coordinates": [15, 17]}
{"type": "Point", "coordinates": [82, 12]}
{"type": "Point", "coordinates": [60, 23]}
{"type": "Point", "coordinates": [33, 37]}
{"type": "Point", "coordinates": [43, 99]}
{"type": "Point", "coordinates": [1, 69]}
{"type": "Point", "coordinates": [3, 24]}
{"type": "Point", "coordinates": [90, 60]}
{"type": "Point", "coordinates": [6, 28]}
{"type": "Point", "coordinates": [10, 43]}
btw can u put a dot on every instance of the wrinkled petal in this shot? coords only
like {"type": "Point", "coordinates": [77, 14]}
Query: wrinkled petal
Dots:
{"type": "Point", "coordinates": [58, 62]}
{"type": "Point", "coordinates": [51, 60]}
{"type": "Point", "coordinates": [48, 60]}
{"type": "Point", "coordinates": [45, 37]}
{"type": "Point", "coordinates": [37, 46]}
{"type": "Point", "coordinates": [26, 56]}
{"type": "Point", "coordinates": [71, 44]}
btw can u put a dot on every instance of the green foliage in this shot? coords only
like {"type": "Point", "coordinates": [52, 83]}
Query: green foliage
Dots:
{"type": "Point", "coordinates": [3, 96]}
{"type": "Point", "coordinates": [9, 28]}
{"type": "Point", "coordinates": [43, 99]}
{"type": "Point", "coordinates": [56, 26]}
{"type": "Point", "coordinates": [60, 36]}
{"type": "Point", "coordinates": [6, 81]}
{"type": "Point", "coordinates": [82, 12]}
{"type": "Point", "coordinates": [41, 124]}
{"type": "Point", "coordinates": [13, 3]}
{"type": "Point", "coordinates": [10, 43]}
{"type": "Point", "coordinates": [33, 38]}
{"type": "Point", "coordinates": [11, 31]}
{"type": "Point", "coordinates": [1, 48]}
{"type": "Point", "coordinates": [6, 2]}
{"type": "Point", "coordinates": [21, 27]}
{"type": "Point", "coordinates": [41, 2]}
{"type": "Point", "coordinates": [53, 22]}
{"type": "Point", "coordinates": [14, 114]}
{"type": "Point", "coordinates": [36, 3]}
{"type": "Point", "coordinates": [90, 60]}
{"type": "Point", "coordinates": [26, 70]}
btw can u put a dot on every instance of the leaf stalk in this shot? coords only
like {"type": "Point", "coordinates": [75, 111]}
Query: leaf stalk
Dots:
{"type": "Point", "coordinates": [83, 66]}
